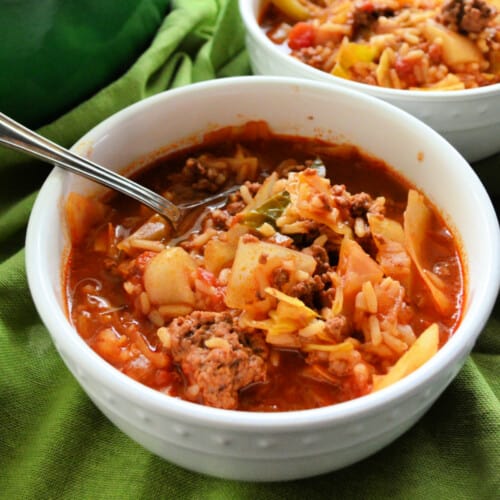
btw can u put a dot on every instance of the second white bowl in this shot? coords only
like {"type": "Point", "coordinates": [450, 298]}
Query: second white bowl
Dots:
{"type": "Point", "coordinates": [468, 119]}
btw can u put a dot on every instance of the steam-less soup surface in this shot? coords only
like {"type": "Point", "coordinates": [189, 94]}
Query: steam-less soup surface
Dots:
{"type": "Point", "coordinates": [324, 278]}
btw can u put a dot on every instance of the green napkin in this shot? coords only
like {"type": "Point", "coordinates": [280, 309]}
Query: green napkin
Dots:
{"type": "Point", "coordinates": [55, 444]}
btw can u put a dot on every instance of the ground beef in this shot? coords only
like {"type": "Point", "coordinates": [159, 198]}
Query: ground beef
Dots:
{"type": "Point", "coordinates": [308, 290]}
{"type": "Point", "coordinates": [364, 16]}
{"type": "Point", "coordinates": [235, 207]}
{"type": "Point", "coordinates": [343, 199]}
{"type": "Point", "coordinates": [316, 292]}
{"type": "Point", "coordinates": [279, 277]}
{"type": "Point", "coordinates": [235, 202]}
{"type": "Point", "coordinates": [360, 204]}
{"type": "Point", "coordinates": [221, 219]}
{"type": "Point", "coordinates": [337, 327]}
{"type": "Point", "coordinates": [467, 16]}
{"type": "Point", "coordinates": [215, 375]}
{"type": "Point", "coordinates": [206, 173]}
{"type": "Point", "coordinates": [320, 256]}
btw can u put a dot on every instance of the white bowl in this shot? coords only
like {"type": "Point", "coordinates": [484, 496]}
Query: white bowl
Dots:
{"type": "Point", "coordinates": [468, 119]}
{"type": "Point", "coordinates": [263, 446]}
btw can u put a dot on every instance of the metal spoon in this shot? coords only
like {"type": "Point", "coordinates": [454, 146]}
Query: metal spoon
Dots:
{"type": "Point", "coordinates": [16, 136]}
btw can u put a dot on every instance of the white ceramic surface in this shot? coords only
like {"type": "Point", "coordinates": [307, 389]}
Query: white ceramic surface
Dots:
{"type": "Point", "coordinates": [259, 446]}
{"type": "Point", "coordinates": [468, 119]}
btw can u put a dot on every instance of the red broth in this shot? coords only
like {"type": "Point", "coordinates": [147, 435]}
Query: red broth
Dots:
{"type": "Point", "coordinates": [109, 303]}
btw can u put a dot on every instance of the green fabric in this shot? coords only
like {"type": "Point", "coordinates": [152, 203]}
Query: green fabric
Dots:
{"type": "Point", "coordinates": [77, 50]}
{"type": "Point", "coordinates": [55, 444]}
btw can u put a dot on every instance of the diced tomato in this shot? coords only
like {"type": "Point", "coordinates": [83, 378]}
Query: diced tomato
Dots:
{"type": "Point", "coordinates": [133, 270]}
{"type": "Point", "coordinates": [162, 378]}
{"type": "Point", "coordinates": [435, 53]}
{"type": "Point", "coordinates": [365, 6]}
{"type": "Point", "coordinates": [405, 71]}
{"type": "Point", "coordinates": [144, 259]}
{"type": "Point", "coordinates": [300, 36]}
{"type": "Point", "coordinates": [214, 302]}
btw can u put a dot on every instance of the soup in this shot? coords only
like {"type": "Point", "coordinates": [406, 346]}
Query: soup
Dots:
{"type": "Point", "coordinates": [415, 44]}
{"type": "Point", "coordinates": [325, 277]}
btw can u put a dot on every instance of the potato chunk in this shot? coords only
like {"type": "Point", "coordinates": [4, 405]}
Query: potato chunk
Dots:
{"type": "Point", "coordinates": [253, 267]}
{"type": "Point", "coordinates": [167, 278]}
{"type": "Point", "coordinates": [82, 213]}
{"type": "Point", "coordinates": [457, 49]}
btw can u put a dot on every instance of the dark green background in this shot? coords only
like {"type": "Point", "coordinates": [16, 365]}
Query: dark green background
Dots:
{"type": "Point", "coordinates": [56, 53]}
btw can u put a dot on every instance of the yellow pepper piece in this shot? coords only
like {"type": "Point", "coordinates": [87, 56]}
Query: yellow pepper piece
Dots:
{"type": "Point", "coordinates": [351, 53]}
{"type": "Point", "coordinates": [341, 72]}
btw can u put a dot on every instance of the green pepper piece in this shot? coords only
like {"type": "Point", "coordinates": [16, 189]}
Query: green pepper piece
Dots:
{"type": "Point", "coordinates": [268, 212]}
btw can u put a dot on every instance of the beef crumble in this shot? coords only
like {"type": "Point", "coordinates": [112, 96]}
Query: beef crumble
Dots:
{"type": "Point", "coordinates": [207, 173]}
{"type": "Point", "coordinates": [365, 14]}
{"type": "Point", "coordinates": [216, 356]}
{"type": "Point", "coordinates": [467, 16]}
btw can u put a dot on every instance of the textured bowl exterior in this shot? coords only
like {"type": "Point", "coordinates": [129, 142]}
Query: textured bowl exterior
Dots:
{"type": "Point", "coordinates": [262, 446]}
{"type": "Point", "coordinates": [468, 119]}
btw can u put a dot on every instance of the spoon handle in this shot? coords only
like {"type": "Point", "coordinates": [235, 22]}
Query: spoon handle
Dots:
{"type": "Point", "coordinates": [16, 136]}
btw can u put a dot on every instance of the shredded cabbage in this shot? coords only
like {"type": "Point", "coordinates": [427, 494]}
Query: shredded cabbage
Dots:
{"type": "Point", "coordinates": [421, 351]}
{"type": "Point", "coordinates": [417, 219]}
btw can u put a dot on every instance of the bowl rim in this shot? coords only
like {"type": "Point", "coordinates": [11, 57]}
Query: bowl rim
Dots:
{"type": "Point", "coordinates": [254, 30]}
{"type": "Point", "coordinates": [67, 340]}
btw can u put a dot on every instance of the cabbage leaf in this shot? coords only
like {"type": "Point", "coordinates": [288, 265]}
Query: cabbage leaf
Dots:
{"type": "Point", "coordinates": [417, 220]}
{"type": "Point", "coordinates": [420, 352]}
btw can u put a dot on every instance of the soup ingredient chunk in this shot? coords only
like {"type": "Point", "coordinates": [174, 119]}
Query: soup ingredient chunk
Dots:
{"type": "Point", "coordinates": [217, 357]}
{"type": "Point", "coordinates": [469, 16]}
